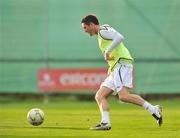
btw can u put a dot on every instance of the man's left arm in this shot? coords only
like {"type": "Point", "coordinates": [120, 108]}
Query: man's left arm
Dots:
{"type": "Point", "coordinates": [116, 38]}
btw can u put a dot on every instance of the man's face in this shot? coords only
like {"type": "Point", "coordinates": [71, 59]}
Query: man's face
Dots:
{"type": "Point", "coordinates": [90, 29]}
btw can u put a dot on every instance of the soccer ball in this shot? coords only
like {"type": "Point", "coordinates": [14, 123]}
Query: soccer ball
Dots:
{"type": "Point", "coordinates": [35, 116]}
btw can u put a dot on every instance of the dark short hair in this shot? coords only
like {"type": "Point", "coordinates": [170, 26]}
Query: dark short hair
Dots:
{"type": "Point", "coordinates": [90, 19]}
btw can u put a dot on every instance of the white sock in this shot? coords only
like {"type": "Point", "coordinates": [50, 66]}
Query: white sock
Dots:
{"type": "Point", "coordinates": [149, 107]}
{"type": "Point", "coordinates": [105, 117]}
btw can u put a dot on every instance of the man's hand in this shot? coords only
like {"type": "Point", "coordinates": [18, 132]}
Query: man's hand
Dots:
{"type": "Point", "coordinates": [107, 56]}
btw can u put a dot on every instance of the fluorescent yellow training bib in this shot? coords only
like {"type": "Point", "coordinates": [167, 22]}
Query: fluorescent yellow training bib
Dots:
{"type": "Point", "coordinates": [118, 53]}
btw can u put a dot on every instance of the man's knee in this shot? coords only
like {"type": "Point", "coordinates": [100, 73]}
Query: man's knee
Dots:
{"type": "Point", "coordinates": [102, 93]}
{"type": "Point", "coordinates": [123, 97]}
{"type": "Point", "coordinates": [124, 94]}
{"type": "Point", "coordinates": [98, 97]}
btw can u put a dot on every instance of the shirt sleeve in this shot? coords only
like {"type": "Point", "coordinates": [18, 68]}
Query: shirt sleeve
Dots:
{"type": "Point", "coordinates": [109, 33]}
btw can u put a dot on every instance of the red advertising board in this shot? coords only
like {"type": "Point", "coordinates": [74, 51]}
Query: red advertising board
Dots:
{"type": "Point", "coordinates": [70, 79]}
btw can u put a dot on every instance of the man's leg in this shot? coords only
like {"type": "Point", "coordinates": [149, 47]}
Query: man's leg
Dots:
{"type": "Point", "coordinates": [125, 96]}
{"type": "Point", "coordinates": [101, 99]}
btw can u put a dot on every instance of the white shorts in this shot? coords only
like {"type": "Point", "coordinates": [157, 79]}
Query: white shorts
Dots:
{"type": "Point", "coordinates": [121, 76]}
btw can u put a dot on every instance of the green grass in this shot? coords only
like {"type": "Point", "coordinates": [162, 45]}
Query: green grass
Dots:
{"type": "Point", "coordinates": [72, 119]}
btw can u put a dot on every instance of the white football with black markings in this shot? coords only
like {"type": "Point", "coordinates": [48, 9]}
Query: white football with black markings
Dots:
{"type": "Point", "coordinates": [35, 116]}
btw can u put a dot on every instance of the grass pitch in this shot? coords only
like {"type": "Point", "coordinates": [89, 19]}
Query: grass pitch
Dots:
{"type": "Point", "coordinates": [72, 119]}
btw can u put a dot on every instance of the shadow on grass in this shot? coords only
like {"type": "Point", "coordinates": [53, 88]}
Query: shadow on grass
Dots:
{"type": "Point", "coordinates": [43, 127]}
{"type": "Point", "coordinates": [61, 127]}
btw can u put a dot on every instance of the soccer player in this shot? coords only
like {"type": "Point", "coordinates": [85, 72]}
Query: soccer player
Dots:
{"type": "Point", "coordinates": [119, 78]}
